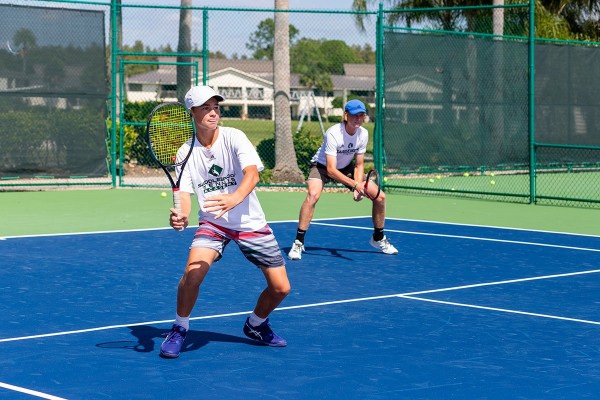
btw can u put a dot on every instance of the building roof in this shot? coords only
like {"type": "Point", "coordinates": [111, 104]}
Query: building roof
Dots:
{"type": "Point", "coordinates": [356, 76]}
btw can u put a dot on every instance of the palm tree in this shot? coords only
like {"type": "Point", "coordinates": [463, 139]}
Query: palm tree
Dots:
{"type": "Point", "coordinates": [25, 40]}
{"type": "Point", "coordinates": [184, 46]}
{"type": "Point", "coordinates": [286, 164]}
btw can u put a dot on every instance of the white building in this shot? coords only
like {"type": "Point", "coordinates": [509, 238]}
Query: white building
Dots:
{"type": "Point", "coordinates": [247, 86]}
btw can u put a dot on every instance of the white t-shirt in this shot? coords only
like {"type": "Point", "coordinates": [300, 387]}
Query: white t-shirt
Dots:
{"type": "Point", "coordinates": [218, 170]}
{"type": "Point", "coordinates": [342, 145]}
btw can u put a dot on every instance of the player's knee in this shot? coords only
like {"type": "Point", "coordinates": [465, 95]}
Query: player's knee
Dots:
{"type": "Point", "coordinates": [193, 277]}
{"type": "Point", "coordinates": [281, 291]}
{"type": "Point", "coordinates": [313, 197]}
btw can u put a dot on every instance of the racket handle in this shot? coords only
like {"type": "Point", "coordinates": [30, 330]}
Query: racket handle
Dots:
{"type": "Point", "coordinates": [177, 202]}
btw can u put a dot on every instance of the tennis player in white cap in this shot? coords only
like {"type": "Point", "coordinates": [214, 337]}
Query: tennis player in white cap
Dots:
{"type": "Point", "coordinates": [223, 171]}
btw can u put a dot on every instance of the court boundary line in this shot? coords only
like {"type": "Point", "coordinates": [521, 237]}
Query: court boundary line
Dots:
{"type": "Point", "coordinates": [315, 221]}
{"type": "Point", "coordinates": [29, 391]}
{"type": "Point", "coordinates": [504, 310]}
{"type": "Point", "coordinates": [320, 304]}
{"type": "Point", "coordinates": [465, 237]}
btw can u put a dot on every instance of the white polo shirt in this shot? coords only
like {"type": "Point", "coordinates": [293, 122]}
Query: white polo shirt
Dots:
{"type": "Point", "coordinates": [342, 145]}
{"type": "Point", "coordinates": [218, 170]}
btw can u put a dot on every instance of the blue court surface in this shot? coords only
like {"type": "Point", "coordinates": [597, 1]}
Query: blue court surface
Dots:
{"type": "Point", "coordinates": [463, 312]}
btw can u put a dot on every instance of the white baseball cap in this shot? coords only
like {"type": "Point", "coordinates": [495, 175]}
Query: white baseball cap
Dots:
{"type": "Point", "coordinates": [199, 95]}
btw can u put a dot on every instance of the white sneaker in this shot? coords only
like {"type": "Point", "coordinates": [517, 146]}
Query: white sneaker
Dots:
{"type": "Point", "coordinates": [384, 245]}
{"type": "Point", "coordinates": [296, 251]}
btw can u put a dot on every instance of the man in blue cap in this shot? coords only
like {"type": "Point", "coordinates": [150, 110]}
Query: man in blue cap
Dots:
{"type": "Point", "coordinates": [341, 158]}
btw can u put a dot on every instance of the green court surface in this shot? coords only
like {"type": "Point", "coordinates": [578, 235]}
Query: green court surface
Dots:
{"type": "Point", "coordinates": [46, 212]}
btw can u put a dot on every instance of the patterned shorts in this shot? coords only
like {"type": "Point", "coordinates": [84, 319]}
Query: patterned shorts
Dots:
{"type": "Point", "coordinates": [259, 247]}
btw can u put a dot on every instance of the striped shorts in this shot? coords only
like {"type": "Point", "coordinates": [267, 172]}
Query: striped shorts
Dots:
{"type": "Point", "coordinates": [259, 247]}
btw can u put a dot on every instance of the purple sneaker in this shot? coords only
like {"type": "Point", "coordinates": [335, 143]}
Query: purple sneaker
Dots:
{"type": "Point", "coordinates": [263, 334]}
{"type": "Point", "coordinates": [172, 345]}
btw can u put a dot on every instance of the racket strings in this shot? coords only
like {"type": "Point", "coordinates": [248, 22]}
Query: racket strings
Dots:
{"type": "Point", "coordinates": [170, 127]}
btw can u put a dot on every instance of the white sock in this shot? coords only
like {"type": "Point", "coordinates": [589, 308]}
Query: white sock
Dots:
{"type": "Point", "coordinates": [183, 322]}
{"type": "Point", "coordinates": [256, 321]}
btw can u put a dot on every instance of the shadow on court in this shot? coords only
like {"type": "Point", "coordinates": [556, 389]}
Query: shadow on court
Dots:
{"type": "Point", "coordinates": [150, 338]}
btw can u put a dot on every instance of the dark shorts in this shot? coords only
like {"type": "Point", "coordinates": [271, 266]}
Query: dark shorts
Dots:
{"type": "Point", "coordinates": [319, 171]}
{"type": "Point", "coordinates": [259, 247]}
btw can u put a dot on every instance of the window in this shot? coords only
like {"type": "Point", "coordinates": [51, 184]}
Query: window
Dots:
{"type": "Point", "coordinates": [231, 92]}
{"type": "Point", "coordinates": [255, 93]}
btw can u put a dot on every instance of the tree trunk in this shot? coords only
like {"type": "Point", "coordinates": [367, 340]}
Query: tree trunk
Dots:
{"type": "Point", "coordinates": [184, 72]}
{"type": "Point", "coordinates": [286, 166]}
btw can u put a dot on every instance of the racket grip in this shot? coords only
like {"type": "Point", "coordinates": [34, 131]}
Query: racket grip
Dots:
{"type": "Point", "coordinates": [176, 200]}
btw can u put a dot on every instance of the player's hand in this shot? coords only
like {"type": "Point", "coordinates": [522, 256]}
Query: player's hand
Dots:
{"type": "Point", "coordinates": [359, 192]}
{"type": "Point", "coordinates": [220, 204]}
{"type": "Point", "coordinates": [178, 221]}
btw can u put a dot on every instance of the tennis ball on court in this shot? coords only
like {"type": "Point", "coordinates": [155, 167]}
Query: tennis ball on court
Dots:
{"type": "Point", "coordinates": [466, 174]}
{"type": "Point", "coordinates": [163, 194]}
{"type": "Point", "coordinates": [438, 177]}
{"type": "Point", "coordinates": [431, 180]}
{"type": "Point", "coordinates": [492, 182]}
{"type": "Point", "coordinates": [385, 179]}
{"type": "Point", "coordinates": [492, 174]}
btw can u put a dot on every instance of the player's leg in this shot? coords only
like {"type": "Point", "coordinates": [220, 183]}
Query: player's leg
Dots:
{"type": "Point", "coordinates": [207, 247]}
{"type": "Point", "coordinates": [261, 249]}
{"type": "Point", "coordinates": [257, 326]}
{"type": "Point", "coordinates": [199, 262]}
{"type": "Point", "coordinates": [316, 179]}
{"type": "Point", "coordinates": [379, 240]}
{"type": "Point", "coordinates": [307, 210]}
{"type": "Point", "coordinates": [278, 287]}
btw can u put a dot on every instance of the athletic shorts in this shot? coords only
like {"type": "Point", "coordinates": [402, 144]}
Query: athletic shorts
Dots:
{"type": "Point", "coordinates": [319, 171]}
{"type": "Point", "coordinates": [259, 247]}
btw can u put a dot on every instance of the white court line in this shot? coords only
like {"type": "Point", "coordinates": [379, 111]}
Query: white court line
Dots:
{"type": "Point", "coordinates": [321, 304]}
{"type": "Point", "coordinates": [534, 278]}
{"type": "Point", "coordinates": [29, 391]}
{"type": "Point", "coordinates": [585, 321]}
{"type": "Point", "coordinates": [465, 237]}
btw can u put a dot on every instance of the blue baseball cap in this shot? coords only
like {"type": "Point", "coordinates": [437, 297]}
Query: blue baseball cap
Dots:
{"type": "Point", "coordinates": [354, 107]}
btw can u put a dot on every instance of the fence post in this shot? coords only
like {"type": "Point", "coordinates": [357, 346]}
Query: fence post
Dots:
{"type": "Point", "coordinates": [532, 145]}
{"type": "Point", "coordinates": [379, 94]}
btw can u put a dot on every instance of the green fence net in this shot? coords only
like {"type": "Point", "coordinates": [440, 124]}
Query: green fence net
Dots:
{"type": "Point", "coordinates": [453, 109]}
{"type": "Point", "coordinates": [53, 90]}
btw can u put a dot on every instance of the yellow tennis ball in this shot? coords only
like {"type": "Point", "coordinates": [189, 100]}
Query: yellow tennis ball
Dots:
{"type": "Point", "coordinates": [438, 177]}
{"type": "Point", "coordinates": [492, 174]}
{"type": "Point", "coordinates": [466, 174]}
{"type": "Point", "coordinates": [385, 179]}
{"type": "Point", "coordinates": [492, 182]}
{"type": "Point", "coordinates": [163, 194]}
{"type": "Point", "coordinates": [431, 181]}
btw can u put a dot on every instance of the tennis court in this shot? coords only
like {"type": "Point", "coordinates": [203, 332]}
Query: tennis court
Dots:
{"type": "Point", "coordinates": [464, 311]}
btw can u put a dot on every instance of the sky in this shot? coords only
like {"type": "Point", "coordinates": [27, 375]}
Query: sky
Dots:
{"type": "Point", "coordinates": [230, 31]}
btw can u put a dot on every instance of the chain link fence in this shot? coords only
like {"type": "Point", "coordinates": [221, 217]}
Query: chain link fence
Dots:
{"type": "Point", "coordinates": [449, 94]}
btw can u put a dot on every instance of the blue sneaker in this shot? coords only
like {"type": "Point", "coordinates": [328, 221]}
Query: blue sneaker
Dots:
{"type": "Point", "coordinates": [172, 345]}
{"type": "Point", "coordinates": [263, 334]}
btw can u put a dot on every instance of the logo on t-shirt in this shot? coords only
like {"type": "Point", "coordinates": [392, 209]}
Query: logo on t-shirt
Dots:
{"type": "Point", "coordinates": [215, 170]}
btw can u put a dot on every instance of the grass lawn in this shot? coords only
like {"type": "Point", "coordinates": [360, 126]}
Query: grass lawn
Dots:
{"type": "Point", "coordinates": [258, 130]}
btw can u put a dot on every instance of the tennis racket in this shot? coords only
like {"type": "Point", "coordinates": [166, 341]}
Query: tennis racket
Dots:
{"type": "Point", "coordinates": [372, 187]}
{"type": "Point", "coordinates": [169, 127]}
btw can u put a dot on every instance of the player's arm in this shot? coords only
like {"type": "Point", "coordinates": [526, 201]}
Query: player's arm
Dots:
{"type": "Point", "coordinates": [180, 220]}
{"type": "Point", "coordinates": [359, 176]}
{"type": "Point", "coordinates": [226, 201]}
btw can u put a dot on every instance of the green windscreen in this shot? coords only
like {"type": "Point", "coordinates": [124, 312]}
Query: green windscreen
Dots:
{"type": "Point", "coordinates": [567, 109]}
{"type": "Point", "coordinates": [454, 102]}
{"type": "Point", "coordinates": [53, 92]}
